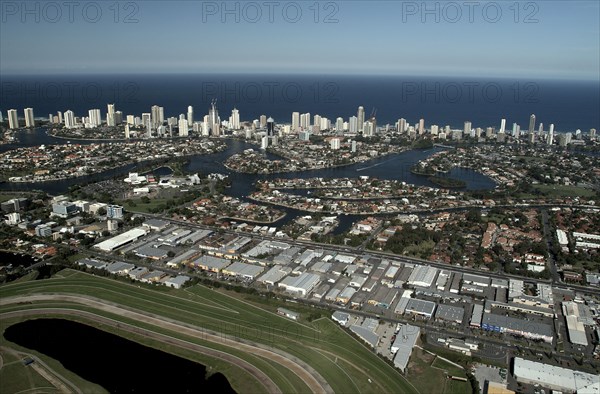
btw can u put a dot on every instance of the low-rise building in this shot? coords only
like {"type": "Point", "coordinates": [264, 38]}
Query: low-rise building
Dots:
{"type": "Point", "coordinates": [243, 270]}
{"type": "Point", "coordinates": [555, 378]}
{"type": "Point", "coordinates": [287, 313]}
{"type": "Point", "coordinates": [211, 263]}
{"type": "Point", "coordinates": [177, 282]}
{"type": "Point", "coordinates": [476, 315]}
{"type": "Point", "coordinates": [120, 240]}
{"type": "Point", "coordinates": [449, 313]}
{"type": "Point", "coordinates": [274, 275]}
{"type": "Point", "coordinates": [420, 307]}
{"type": "Point", "coordinates": [341, 317]}
{"type": "Point", "coordinates": [301, 285]}
{"type": "Point", "coordinates": [515, 326]}
{"type": "Point", "coordinates": [405, 341]}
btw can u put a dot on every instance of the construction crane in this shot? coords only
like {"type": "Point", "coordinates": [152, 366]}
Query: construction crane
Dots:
{"type": "Point", "coordinates": [373, 113]}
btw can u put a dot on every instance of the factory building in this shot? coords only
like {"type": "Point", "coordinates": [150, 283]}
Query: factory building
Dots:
{"type": "Point", "coordinates": [420, 307]}
{"type": "Point", "coordinates": [405, 341]}
{"type": "Point", "coordinates": [301, 285]}
{"type": "Point", "coordinates": [555, 378]}
{"type": "Point", "coordinates": [511, 325]}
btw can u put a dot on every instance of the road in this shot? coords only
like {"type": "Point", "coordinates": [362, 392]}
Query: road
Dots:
{"type": "Point", "coordinates": [549, 237]}
{"type": "Point", "coordinates": [307, 374]}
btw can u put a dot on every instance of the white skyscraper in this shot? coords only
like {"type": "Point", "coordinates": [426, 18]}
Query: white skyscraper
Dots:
{"type": "Point", "coordinates": [147, 122]}
{"type": "Point", "coordinates": [29, 120]}
{"type": "Point", "coordinates": [155, 118]}
{"type": "Point", "coordinates": [435, 129]}
{"type": "Point", "coordinates": [368, 128]}
{"type": "Point", "coordinates": [339, 124]}
{"type": "Point", "coordinates": [127, 130]}
{"type": "Point", "coordinates": [334, 143]}
{"type": "Point", "coordinates": [305, 121]}
{"type": "Point", "coordinates": [360, 115]}
{"type": "Point", "coordinates": [213, 119]}
{"type": "Point", "coordinates": [467, 128]}
{"type": "Point", "coordinates": [95, 117]}
{"type": "Point", "coordinates": [502, 126]}
{"type": "Point", "coordinates": [110, 116]}
{"type": "Point", "coordinates": [551, 134]}
{"type": "Point", "coordinates": [421, 128]}
{"type": "Point", "coordinates": [235, 119]}
{"type": "Point", "coordinates": [13, 120]}
{"type": "Point", "coordinates": [183, 127]}
{"type": "Point", "coordinates": [531, 123]}
{"type": "Point", "coordinates": [295, 121]}
{"type": "Point", "coordinates": [401, 125]}
{"type": "Point", "coordinates": [190, 115]}
{"type": "Point", "coordinates": [69, 119]}
{"type": "Point", "coordinates": [317, 120]}
{"type": "Point", "coordinates": [353, 124]}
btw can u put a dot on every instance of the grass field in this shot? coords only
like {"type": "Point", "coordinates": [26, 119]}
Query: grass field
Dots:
{"type": "Point", "coordinates": [430, 374]}
{"type": "Point", "coordinates": [144, 207]}
{"type": "Point", "coordinates": [16, 377]}
{"type": "Point", "coordinates": [347, 365]}
{"type": "Point", "coordinates": [565, 191]}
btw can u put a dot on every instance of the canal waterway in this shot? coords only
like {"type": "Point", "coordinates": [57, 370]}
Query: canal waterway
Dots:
{"type": "Point", "coordinates": [395, 166]}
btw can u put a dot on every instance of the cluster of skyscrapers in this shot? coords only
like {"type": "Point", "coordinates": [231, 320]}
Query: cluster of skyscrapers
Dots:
{"type": "Point", "coordinates": [355, 124]}
{"type": "Point", "coordinates": [301, 123]}
{"type": "Point", "coordinates": [154, 124]}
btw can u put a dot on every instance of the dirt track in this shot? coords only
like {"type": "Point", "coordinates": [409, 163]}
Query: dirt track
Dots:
{"type": "Point", "coordinates": [316, 384]}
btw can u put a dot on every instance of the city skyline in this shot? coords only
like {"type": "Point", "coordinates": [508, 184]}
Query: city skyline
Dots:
{"type": "Point", "coordinates": [401, 38]}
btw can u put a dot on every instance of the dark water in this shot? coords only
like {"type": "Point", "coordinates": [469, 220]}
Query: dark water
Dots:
{"type": "Point", "coordinates": [570, 105]}
{"type": "Point", "coordinates": [115, 363]}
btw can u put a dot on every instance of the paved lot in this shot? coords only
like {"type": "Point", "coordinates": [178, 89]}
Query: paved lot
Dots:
{"type": "Point", "coordinates": [493, 374]}
{"type": "Point", "coordinates": [386, 333]}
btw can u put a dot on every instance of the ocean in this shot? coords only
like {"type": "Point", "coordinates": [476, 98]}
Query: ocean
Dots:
{"type": "Point", "coordinates": [570, 105]}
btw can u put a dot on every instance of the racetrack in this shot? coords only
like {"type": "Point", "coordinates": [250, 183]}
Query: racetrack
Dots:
{"type": "Point", "coordinates": [307, 377]}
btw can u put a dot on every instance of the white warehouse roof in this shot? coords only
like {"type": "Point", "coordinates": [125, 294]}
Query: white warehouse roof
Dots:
{"type": "Point", "coordinates": [115, 242]}
{"type": "Point", "coordinates": [557, 378]}
{"type": "Point", "coordinates": [300, 284]}
{"type": "Point", "coordinates": [422, 276]}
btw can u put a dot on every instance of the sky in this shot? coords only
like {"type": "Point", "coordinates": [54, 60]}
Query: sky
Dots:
{"type": "Point", "coordinates": [551, 39]}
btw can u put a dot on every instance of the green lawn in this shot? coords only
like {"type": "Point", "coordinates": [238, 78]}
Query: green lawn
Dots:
{"type": "Point", "coordinates": [346, 364]}
{"type": "Point", "coordinates": [565, 191]}
{"type": "Point", "coordinates": [15, 377]}
{"type": "Point", "coordinates": [144, 207]}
